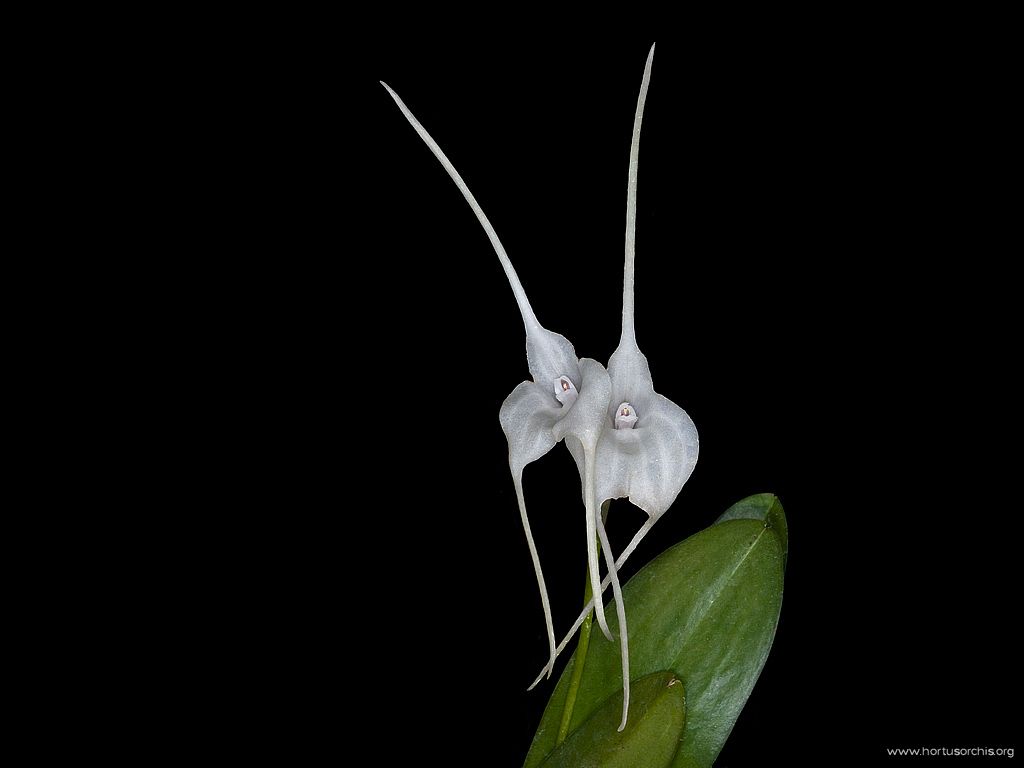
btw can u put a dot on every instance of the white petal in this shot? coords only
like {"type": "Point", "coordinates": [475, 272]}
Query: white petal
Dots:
{"type": "Point", "coordinates": [651, 462]}
{"type": "Point", "coordinates": [631, 378]}
{"type": "Point", "coordinates": [576, 449]}
{"type": "Point", "coordinates": [549, 625]}
{"type": "Point", "coordinates": [590, 412]}
{"type": "Point", "coordinates": [549, 355]}
{"type": "Point", "coordinates": [590, 507]}
{"type": "Point", "coordinates": [634, 160]}
{"type": "Point", "coordinates": [585, 422]}
{"type": "Point", "coordinates": [527, 417]}
{"type": "Point", "coordinates": [589, 415]}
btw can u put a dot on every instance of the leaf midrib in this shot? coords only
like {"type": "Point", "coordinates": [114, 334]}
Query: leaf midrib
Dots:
{"type": "Point", "coordinates": [718, 588]}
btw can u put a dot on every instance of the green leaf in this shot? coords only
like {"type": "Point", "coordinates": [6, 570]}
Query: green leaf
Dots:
{"type": "Point", "coordinates": [705, 609]}
{"type": "Point", "coordinates": [657, 711]}
{"type": "Point", "coordinates": [761, 506]}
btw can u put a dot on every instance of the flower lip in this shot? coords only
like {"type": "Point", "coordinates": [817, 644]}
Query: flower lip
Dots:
{"type": "Point", "coordinates": [625, 416]}
{"type": "Point", "coordinates": [565, 391]}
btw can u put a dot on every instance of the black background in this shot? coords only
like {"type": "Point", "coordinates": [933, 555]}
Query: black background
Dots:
{"type": "Point", "coordinates": [820, 283]}
{"type": "Point", "coordinates": [815, 286]}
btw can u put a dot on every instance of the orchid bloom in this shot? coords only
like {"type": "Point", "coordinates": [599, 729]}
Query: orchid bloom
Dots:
{"type": "Point", "coordinates": [567, 399]}
{"type": "Point", "coordinates": [648, 446]}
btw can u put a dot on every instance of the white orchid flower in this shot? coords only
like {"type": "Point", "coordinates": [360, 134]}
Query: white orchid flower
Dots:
{"type": "Point", "coordinates": [567, 399]}
{"type": "Point", "coordinates": [648, 446]}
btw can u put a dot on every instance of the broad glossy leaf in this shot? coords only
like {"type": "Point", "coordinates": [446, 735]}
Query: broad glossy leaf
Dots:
{"type": "Point", "coordinates": [760, 506]}
{"type": "Point", "coordinates": [706, 609]}
{"type": "Point", "coordinates": [655, 728]}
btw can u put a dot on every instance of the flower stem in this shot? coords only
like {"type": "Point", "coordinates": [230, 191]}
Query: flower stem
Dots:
{"type": "Point", "coordinates": [579, 658]}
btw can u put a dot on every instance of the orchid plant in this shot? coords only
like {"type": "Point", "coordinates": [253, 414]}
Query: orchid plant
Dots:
{"type": "Point", "coordinates": [627, 440]}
